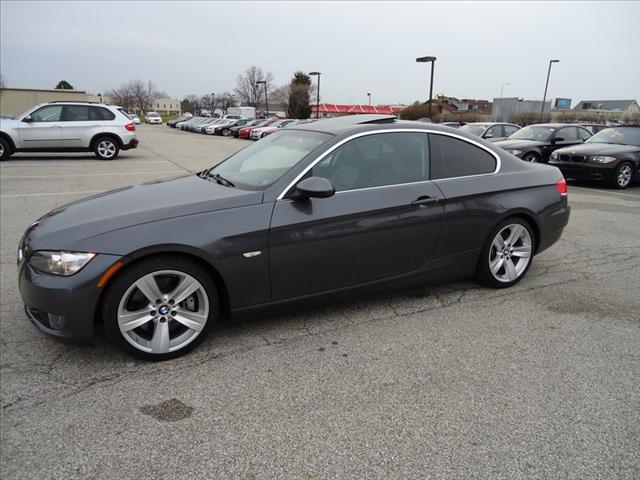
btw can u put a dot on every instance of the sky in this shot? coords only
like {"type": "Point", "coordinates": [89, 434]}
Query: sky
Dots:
{"type": "Point", "coordinates": [359, 47]}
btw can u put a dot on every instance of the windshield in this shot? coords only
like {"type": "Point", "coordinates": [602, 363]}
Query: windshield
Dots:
{"type": "Point", "coordinates": [619, 135]}
{"type": "Point", "coordinates": [263, 163]}
{"type": "Point", "coordinates": [533, 132]}
{"type": "Point", "coordinates": [474, 128]}
{"type": "Point", "coordinates": [152, 114]}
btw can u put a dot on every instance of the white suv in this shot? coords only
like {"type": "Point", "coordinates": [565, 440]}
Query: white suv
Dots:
{"type": "Point", "coordinates": [153, 118]}
{"type": "Point", "coordinates": [69, 127]}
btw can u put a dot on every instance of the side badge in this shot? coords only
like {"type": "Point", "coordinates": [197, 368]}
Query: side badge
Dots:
{"type": "Point", "coordinates": [251, 254]}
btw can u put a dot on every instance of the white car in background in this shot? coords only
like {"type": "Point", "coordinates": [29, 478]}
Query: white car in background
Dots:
{"type": "Point", "coordinates": [153, 118]}
{"type": "Point", "coordinates": [258, 133]}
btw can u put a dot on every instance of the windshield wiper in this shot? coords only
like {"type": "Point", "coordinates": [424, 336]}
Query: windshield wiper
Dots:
{"type": "Point", "coordinates": [221, 180]}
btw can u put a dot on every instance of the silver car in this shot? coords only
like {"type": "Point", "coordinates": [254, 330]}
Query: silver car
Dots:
{"type": "Point", "coordinates": [69, 127]}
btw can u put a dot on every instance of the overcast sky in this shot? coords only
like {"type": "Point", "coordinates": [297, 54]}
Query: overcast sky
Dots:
{"type": "Point", "coordinates": [359, 47]}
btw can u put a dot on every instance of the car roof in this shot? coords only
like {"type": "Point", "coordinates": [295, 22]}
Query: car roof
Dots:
{"type": "Point", "coordinates": [347, 123]}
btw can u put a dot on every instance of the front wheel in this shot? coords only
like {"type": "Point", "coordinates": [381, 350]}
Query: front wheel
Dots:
{"type": "Point", "coordinates": [226, 132]}
{"type": "Point", "coordinates": [531, 157]}
{"type": "Point", "coordinates": [507, 254]}
{"type": "Point", "coordinates": [160, 308]}
{"type": "Point", "coordinates": [623, 175]}
{"type": "Point", "coordinates": [106, 148]}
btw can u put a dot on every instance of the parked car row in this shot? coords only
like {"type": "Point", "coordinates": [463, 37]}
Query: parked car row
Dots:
{"type": "Point", "coordinates": [233, 126]}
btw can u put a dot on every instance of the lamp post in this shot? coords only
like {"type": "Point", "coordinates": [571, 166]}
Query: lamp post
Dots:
{"type": "Point", "coordinates": [100, 97]}
{"type": "Point", "coordinates": [317, 74]}
{"type": "Point", "coordinates": [502, 89]}
{"type": "Point", "coordinates": [433, 61]}
{"type": "Point", "coordinates": [369, 95]}
{"type": "Point", "coordinates": [266, 99]}
{"type": "Point", "coordinates": [544, 98]}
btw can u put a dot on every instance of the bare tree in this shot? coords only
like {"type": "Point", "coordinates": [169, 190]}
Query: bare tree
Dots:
{"type": "Point", "coordinates": [121, 97]}
{"type": "Point", "coordinates": [279, 97]}
{"type": "Point", "coordinates": [191, 103]}
{"type": "Point", "coordinates": [209, 102]}
{"type": "Point", "coordinates": [247, 88]}
{"type": "Point", "coordinates": [226, 100]}
{"type": "Point", "coordinates": [143, 94]}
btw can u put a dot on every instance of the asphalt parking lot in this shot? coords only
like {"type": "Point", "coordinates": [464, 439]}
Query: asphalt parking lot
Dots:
{"type": "Point", "coordinates": [457, 381]}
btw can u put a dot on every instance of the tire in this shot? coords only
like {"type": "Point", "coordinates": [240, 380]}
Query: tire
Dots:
{"type": "Point", "coordinates": [5, 149]}
{"type": "Point", "coordinates": [623, 176]}
{"type": "Point", "coordinates": [493, 266]}
{"type": "Point", "coordinates": [177, 325]}
{"type": "Point", "coordinates": [106, 148]}
{"type": "Point", "coordinates": [226, 132]}
{"type": "Point", "coordinates": [531, 157]}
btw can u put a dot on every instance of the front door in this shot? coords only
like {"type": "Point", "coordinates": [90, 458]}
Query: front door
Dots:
{"type": "Point", "coordinates": [43, 131]}
{"type": "Point", "coordinates": [383, 221]}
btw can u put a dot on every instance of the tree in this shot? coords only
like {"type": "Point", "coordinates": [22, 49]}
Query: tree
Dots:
{"type": "Point", "coordinates": [279, 97]}
{"type": "Point", "coordinates": [226, 100]}
{"type": "Point", "coordinates": [248, 90]}
{"type": "Point", "coordinates": [64, 85]}
{"type": "Point", "coordinates": [143, 94]}
{"type": "Point", "coordinates": [299, 93]}
{"type": "Point", "coordinates": [121, 97]}
{"type": "Point", "coordinates": [209, 102]}
{"type": "Point", "coordinates": [191, 103]}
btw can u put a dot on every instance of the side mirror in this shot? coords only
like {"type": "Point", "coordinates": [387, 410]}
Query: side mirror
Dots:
{"type": "Point", "coordinates": [488, 135]}
{"type": "Point", "coordinates": [27, 118]}
{"type": "Point", "coordinates": [315, 187]}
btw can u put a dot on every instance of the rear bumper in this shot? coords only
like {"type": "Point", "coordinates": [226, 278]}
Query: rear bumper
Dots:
{"type": "Point", "coordinates": [64, 307]}
{"type": "Point", "coordinates": [133, 143]}
{"type": "Point", "coordinates": [552, 223]}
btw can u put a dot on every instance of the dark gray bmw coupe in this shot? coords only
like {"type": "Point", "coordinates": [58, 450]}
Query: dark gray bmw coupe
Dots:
{"type": "Point", "coordinates": [315, 209]}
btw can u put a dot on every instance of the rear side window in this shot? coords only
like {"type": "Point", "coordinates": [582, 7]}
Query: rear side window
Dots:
{"type": "Point", "coordinates": [583, 134]}
{"type": "Point", "coordinates": [510, 130]}
{"type": "Point", "coordinates": [76, 113]}
{"type": "Point", "coordinates": [451, 157]}
{"type": "Point", "coordinates": [100, 113]}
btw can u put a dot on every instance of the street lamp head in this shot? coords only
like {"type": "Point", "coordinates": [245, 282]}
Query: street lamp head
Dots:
{"type": "Point", "coordinates": [258, 82]}
{"type": "Point", "coordinates": [425, 59]}
{"type": "Point", "coordinates": [554, 61]}
{"type": "Point", "coordinates": [314, 74]}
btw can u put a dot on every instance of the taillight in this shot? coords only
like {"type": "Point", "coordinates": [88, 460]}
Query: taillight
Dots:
{"type": "Point", "coordinates": [131, 127]}
{"type": "Point", "coordinates": [561, 186]}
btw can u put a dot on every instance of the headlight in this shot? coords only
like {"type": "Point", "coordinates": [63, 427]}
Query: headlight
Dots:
{"type": "Point", "coordinates": [602, 159]}
{"type": "Point", "coordinates": [515, 152]}
{"type": "Point", "coordinates": [554, 156]}
{"type": "Point", "coordinates": [60, 263]}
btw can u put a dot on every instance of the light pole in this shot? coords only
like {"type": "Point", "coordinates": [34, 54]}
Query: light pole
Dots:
{"type": "Point", "coordinates": [433, 61]}
{"type": "Point", "coordinates": [369, 95]}
{"type": "Point", "coordinates": [100, 97]}
{"type": "Point", "coordinates": [266, 99]}
{"type": "Point", "coordinates": [317, 74]}
{"type": "Point", "coordinates": [502, 89]}
{"type": "Point", "coordinates": [544, 98]}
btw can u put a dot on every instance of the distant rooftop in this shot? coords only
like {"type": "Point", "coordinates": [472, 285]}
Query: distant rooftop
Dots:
{"type": "Point", "coordinates": [620, 105]}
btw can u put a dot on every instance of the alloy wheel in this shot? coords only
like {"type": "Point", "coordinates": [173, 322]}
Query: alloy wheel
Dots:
{"type": "Point", "coordinates": [510, 253]}
{"type": "Point", "coordinates": [163, 311]}
{"type": "Point", "coordinates": [1, 150]}
{"type": "Point", "coordinates": [106, 148]}
{"type": "Point", "coordinates": [624, 175]}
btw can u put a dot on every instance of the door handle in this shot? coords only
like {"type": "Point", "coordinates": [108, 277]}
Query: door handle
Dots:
{"type": "Point", "coordinates": [424, 200]}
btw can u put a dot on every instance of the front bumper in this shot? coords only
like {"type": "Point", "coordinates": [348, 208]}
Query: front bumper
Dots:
{"type": "Point", "coordinates": [586, 170]}
{"type": "Point", "coordinates": [64, 307]}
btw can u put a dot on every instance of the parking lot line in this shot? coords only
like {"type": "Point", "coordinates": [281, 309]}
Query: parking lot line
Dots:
{"type": "Point", "coordinates": [608, 192]}
{"type": "Point", "coordinates": [114, 174]}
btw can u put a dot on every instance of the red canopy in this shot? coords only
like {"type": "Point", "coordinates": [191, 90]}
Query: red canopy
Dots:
{"type": "Point", "coordinates": [355, 109]}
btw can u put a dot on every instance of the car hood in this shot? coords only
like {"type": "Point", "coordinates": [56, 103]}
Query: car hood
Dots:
{"type": "Point", "coordinates": [599, 149]}
{"type": "Point", "coordinates": [8, 123]}
{"type": "Point", "coordinates": [518, 144]}
{"type": "Point", "coordinates": [139, 204]}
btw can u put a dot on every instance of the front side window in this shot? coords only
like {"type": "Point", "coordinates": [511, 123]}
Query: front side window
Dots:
{"type": "Point", "coordinates": [263, 163]}
{"type": "Point", "coordinates": [377, 160]}
{"type": "Point", "coordinates": [510, 130]}
{"type": "Point", "coordinates": [495, 132]}
{"type": "Point", "coordinates": [533, 132]}
{"type": "Point", "coordinates": [452, 157]}
{"type": "Point", "coordinates": [50, 113]}
{"type": "Point", "coordinates": [569, 133]}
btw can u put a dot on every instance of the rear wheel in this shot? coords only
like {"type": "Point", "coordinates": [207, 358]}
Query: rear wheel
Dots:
{"type": "Point", "coordinates": [507, 254]}
{"type": "Point", "coordinates": [106, 148]}
{"type": "Point", "coordinates": [160, 308]}
{"type": "Point", "coordinates": [5, 149]}
{"type": "Point", "coordinates": [531, 157]}
{"type": "Point", "coordinates": [226, 132]}
{"type": "Point", "coordinates": [623, 175]}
